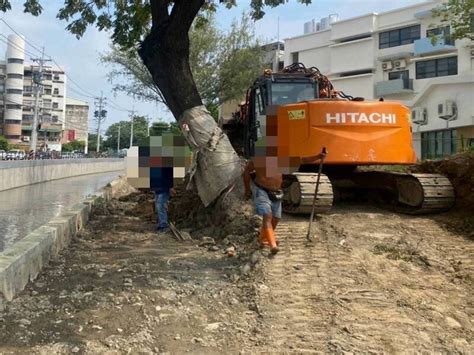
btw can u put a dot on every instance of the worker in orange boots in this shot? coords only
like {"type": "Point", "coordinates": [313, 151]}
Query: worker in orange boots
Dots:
{"type": "Point", "coordinates": [267, 178]}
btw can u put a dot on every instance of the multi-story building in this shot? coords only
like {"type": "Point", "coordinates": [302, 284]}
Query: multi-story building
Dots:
{"type": "Point", "coordinates": [404, 55]}
{"type": "Point", "coordinates": [18, 98]}
{"type": "Point", "coordinates": [273, 55]}
{"type": "Point", "coordinates": [76, 125]}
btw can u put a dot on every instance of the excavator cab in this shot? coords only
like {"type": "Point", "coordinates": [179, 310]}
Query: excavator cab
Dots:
{"type": "Point", "coordinates": [267, 93]}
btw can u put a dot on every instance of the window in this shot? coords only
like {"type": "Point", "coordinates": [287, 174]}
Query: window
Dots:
{"type": "Point", "coordinates": [15, 91]}
{"type": "Point", "coordinates": [56, 77]}
{"type": "Point", "coordinates": [357, 72]}
{"type": "Point", "coordinates": [27, 89]}
{"type": "Point", "coordinates": [439, 31]}
{"type": "Point", "coordinates": [438, 144]}
{"type": "Point", "coordinates": [56, 91]}
{"type": "Point", "coordinates": [13, 107]}
{"type": "Point", "coordinates": [47, 91]}
{"type": "Point", "coordinates": [55, 119]}
{"type": "Point", "coordinates": [437, 67]}
{"type": "Point", "coordinates": [55, 105]}
{"type": "Point", "coordinates": [15, 60]}
{"type": "Point", "coordinates": [14, 76]}
{"type": "Point", "coordinates": [47, 76]}
{"type": "Point", "coordinates": [399, 37]}
{"type": "Point", "coordinates": [402, 74]}
{"type": "Point", "coordinates": [295, 57]}
{"type": "Point", "coordinates": [12, 122]}
{"type": "Point", "coordinates": [12, 137]}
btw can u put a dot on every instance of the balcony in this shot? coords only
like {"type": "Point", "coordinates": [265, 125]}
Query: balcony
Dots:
{"type": "Point", "coordinates": [424, 46]}
{"type": "Point", "coordinates": [393, 87]}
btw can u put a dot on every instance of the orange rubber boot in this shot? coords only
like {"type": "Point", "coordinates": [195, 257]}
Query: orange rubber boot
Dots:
{"type": "Point", "coordinates": [270, 236]}
{"type": "Point", "coordinates": [262, 239]}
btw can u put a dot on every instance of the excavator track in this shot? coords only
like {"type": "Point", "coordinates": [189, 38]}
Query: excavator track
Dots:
{"type": "Point", "coordinates": [403, 192]}
{"type": "Point", "coordinates": [424, 193]}
{"type": "Point", "coordinates": [299, 193]}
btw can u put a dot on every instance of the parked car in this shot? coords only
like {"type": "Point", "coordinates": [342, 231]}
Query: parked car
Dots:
{"type": "Point", "coordinates": [15, 154]}
{"type": "Point", "coordinates": [3, 154]}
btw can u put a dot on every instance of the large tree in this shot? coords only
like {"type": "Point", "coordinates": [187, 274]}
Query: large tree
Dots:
{"type": "Point", "coordinates": [459, 14]}
{"type": "Point", "coordinates": [223, 64]}
{"type": "Point", "coordinates": [160, 31]}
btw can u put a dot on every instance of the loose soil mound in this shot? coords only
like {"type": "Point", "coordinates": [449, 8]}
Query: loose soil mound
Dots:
{"type": "Point", "coordinates": [460, 171]}
{"type": "Point", "coordinates": [229, 215]}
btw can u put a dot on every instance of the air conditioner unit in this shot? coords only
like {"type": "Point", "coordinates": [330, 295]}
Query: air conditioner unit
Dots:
{"type": "Point", "coordinates": [25, 138]}
{"type": "Point", "coordinates": [447, 110]}
{"type": "Point", "coordinates": [399, 64]}
{"type": "Point", "coordinates": [387, 66]}
{"type": "Point", "coordinates": [419, 115]}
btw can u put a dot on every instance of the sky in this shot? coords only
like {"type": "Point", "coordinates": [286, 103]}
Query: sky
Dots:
{"type": "Point", "coordinates": [81, 58]}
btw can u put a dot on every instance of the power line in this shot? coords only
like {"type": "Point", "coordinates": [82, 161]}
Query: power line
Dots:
{"type": "Point", "coordinates": [11, 28]}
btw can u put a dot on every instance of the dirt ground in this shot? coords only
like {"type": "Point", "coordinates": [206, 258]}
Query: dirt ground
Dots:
{"type": "Point", "coordinates": [372, 282]}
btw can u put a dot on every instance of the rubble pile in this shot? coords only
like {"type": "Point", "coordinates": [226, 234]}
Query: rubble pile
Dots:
{"type": "Point", "coordinates": [459, 169]}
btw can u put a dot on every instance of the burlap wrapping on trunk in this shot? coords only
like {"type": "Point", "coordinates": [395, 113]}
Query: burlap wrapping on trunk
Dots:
{"type": "Point", "coordinates": [215, 163]}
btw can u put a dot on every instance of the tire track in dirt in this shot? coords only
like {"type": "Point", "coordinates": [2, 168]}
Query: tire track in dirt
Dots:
{"type": "Point", "coordinates": [339, 295]}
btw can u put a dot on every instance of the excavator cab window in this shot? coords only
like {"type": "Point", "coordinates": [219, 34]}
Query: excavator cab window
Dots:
{"type": "Point", "coordinates": [292, 92]}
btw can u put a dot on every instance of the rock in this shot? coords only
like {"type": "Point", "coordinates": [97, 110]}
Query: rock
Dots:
{"type": "Point", "coordinates": [198, 341]}
{"type": "Point", "coordinates": [297, 267]}
{"type": "Point", "coordinates": [158, 308]}
{"type": "Point", "coordinates": [255, 257]}
{"type": "Point", "coordinates": [75, 349]}
{"type": "Point", "coordinates": [120, 330]}
{"type": "Point", "coordinates": [213, 248]}
{"type": "Point", "coordinates": [24, 322]}
{"type": "Point", "coordinates": [213, 326]}
{"type": "Point", "coordinates": [177, 337]}
{"type": "Point", "coordinates": [246, 269]}
{"type": "Point", "coordinates": [206, 241]}
{"type": "Point", "coordinates": [230, 251]}
{"type": "Point", "coordinates": [98, 327]}
{"type": "Point", "coordinates": [453, 323]}
{"type": "Point", "coordinates": [342, 242]}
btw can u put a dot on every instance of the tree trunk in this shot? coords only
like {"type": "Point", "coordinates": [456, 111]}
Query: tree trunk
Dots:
{"type": "Point", "coordinates": [165, 52]}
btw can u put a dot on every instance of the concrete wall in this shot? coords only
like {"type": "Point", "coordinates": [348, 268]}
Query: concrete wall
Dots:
{"type": "Point", "coordinates": [21, 173]}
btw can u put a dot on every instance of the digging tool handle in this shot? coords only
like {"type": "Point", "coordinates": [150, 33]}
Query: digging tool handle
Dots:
{"type": "Point", "coordinates": [315, 197]}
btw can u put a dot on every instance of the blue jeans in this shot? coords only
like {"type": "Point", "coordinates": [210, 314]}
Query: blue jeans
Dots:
{"type": "Point", "coordinates": [263, 205]}
{"type": "Point", "coordinates": [161, 205]}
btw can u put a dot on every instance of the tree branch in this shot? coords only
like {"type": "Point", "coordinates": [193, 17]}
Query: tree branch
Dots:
{"type": "Point", "coordinates": [183, 14]}
{"type": "Point", "coordinates": [159, 11]}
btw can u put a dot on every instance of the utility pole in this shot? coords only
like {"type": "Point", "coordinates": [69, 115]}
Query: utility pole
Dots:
{"type": "Point", "coordinates": [118, 139]}
{"type": "Point", "coordinates": [132, 114]}
{"type": "Point", "coordinates": [99, 115]}
{"type": "Point", "coordinates": [37, 80]}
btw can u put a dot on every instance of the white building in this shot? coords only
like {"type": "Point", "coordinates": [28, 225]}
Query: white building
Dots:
{"type": "Point", "coordinates": [390, 55]}
{"type": "Point", "coordinates": [18, 99]}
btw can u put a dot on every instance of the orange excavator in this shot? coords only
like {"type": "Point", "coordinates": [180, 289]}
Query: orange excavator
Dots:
{"type": "Point", "coordinates": [309, 113]}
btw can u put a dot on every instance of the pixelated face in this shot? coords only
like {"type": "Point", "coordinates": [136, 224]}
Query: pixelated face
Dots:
{"type": "Point", "coordinates": [159, 163]}
{"type": "Point", "coordinates": [269, 154]}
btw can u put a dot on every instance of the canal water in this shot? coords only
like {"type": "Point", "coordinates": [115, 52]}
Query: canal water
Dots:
{"type": "Point", "coordinates": [26, 208]}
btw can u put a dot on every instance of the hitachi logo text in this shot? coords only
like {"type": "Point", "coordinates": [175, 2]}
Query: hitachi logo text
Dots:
{"type": "Point", "coordinates": [361, 117]}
